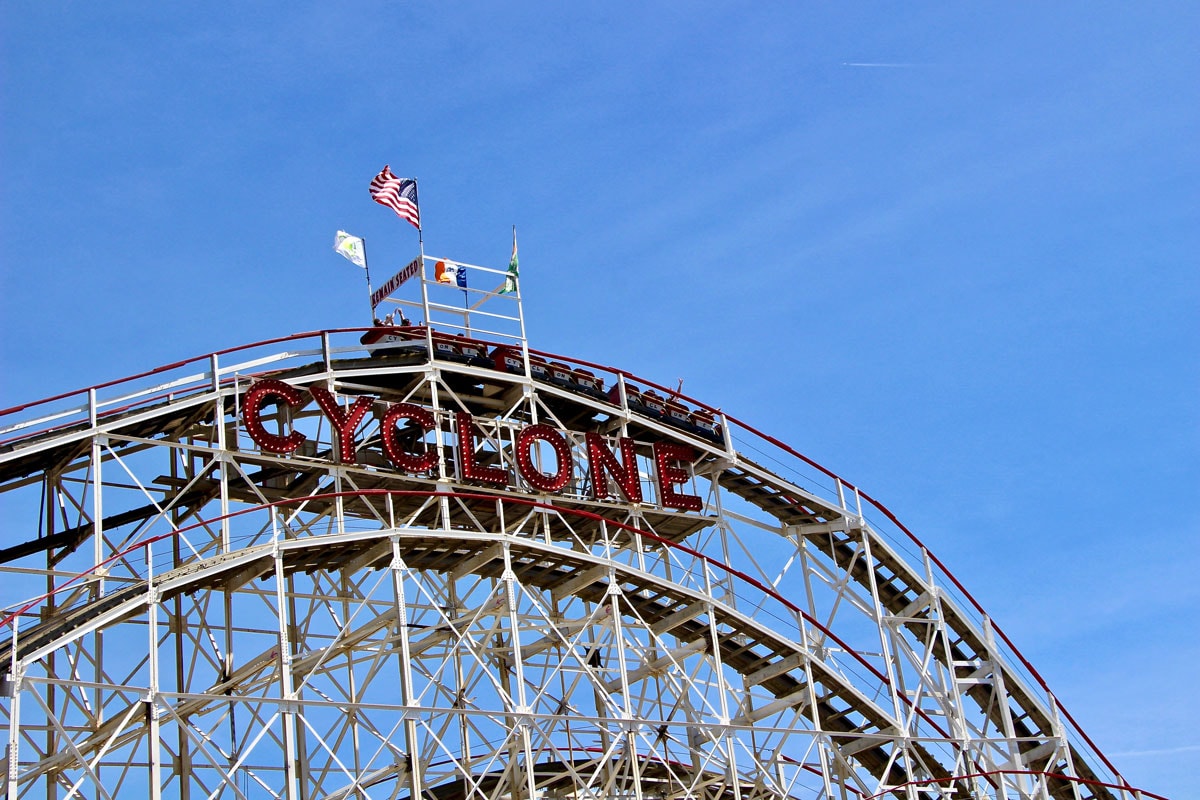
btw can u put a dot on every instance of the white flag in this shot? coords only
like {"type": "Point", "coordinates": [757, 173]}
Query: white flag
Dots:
{"type": "Point", "coordinates": [351, 247]}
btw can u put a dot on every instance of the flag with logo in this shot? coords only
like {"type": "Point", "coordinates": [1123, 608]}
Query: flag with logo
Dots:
{"type": "Point", "coordinates": [398, 194]}
{"type": "Point", "coordinates": [510, 280]}
{"type": "Point", "coordinates": [450, 273]}
{"type": "Point", "coordinates": [351, 247]}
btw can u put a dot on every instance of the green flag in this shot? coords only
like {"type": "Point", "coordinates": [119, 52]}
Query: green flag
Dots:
{"type": "Point", "coordinates": [510, 280]}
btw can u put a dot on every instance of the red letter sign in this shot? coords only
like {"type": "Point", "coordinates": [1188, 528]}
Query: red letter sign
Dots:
{"type": "Point", "coordinates": [665, 453]}
{"type": "Point", "coordinates": [600, 458]}
{"type": "Point", "coordinates": [562, 451]}
{"type": "Point", "coordinates": [470, 469]}
{"type": "Point", "coordinates": [253, 402]}
{"type": "Point", "coordinates": [407, 461]}
{"type": "Point", "coordinates": [342, 422]}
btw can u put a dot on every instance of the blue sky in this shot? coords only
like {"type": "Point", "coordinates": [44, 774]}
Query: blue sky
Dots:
{"type": "Point", "coordinates": [947, 250]}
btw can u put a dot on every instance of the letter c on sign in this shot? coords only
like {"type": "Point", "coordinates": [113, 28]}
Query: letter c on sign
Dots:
{"type": "Point", "coordinates": [256, 396]}
{"type": "Point", "coordinates": [409, 462]}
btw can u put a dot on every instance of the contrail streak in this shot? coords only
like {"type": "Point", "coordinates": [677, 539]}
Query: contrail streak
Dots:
{"type": "Point", "coordinates": [1187, 748]}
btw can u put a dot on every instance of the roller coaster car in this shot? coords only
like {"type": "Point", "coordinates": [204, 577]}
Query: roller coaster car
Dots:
{"type": "Point", "coordinates": [706, 426]}
{"type": "Point", "coordinates": [391, 341]}
{"type": "Point", "coordinates": [447, 349]}
{"type": "Point", "coordinates": [538, 368]}
{"type": "Point", "coordinates": [506, 359]}
{"type": "Point", "coordinates": [655, 405]}
{"type": "Point", "coordinates": [589, 384]}
{"type": "Point", "coordinates": [577, 380]}
{"type": "Point", "coordinates": [460, 349]}
{"type": "Point", "coordinates": [651, 404]}
{"type": "Point", "coordinates": [698, 422]}
{"type": "Point", "coordinates": [633, 398]}
{"type": "Point", "coordinates": [474, 353]}
{"type": "Point", "coordinates": [678, 415]}
{"type": "Point", "coordinates": [560, 375]}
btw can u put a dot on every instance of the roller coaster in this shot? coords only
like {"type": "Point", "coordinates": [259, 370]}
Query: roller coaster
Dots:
{"type": "Point", "coordinates": [423, 562]}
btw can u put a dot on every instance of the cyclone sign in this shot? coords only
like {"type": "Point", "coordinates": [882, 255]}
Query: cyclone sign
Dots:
{"type": "Point", "coordinates": [603, 462]}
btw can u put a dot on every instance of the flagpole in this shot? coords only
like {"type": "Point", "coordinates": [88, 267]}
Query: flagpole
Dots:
{"type": "Point", "coordinates": [420, 233]}
{"type": "Point", "coordinates": [367, 269]}
{"type": "Point", "coordinates": [466, 311]}
{"type": "Point", "coordinates": [424, 285]}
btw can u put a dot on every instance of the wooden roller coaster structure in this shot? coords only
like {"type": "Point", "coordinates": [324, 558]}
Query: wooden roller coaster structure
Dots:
{"type": "Point", "coordinates": [209, 618]}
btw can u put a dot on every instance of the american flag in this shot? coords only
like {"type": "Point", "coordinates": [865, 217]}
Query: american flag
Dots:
{"type": "Point", "coordinates": [398, 194]}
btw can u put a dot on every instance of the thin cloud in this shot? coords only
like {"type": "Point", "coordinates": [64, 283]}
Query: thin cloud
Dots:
{"type": "Point", "coordinates": [878, 64]}
{"type": "Point", "coordinates": [1166, 751]}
